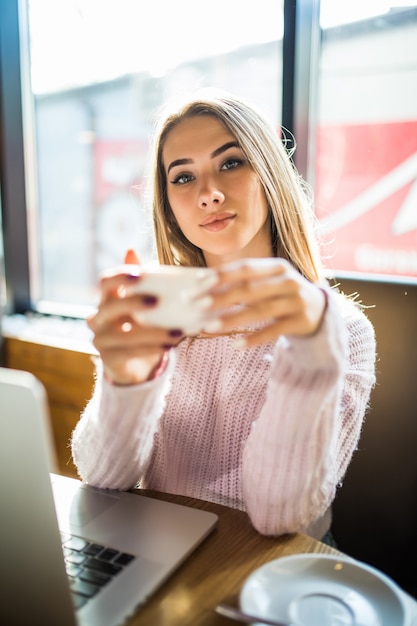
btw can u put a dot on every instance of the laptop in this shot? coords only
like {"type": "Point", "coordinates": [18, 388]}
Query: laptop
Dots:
{"type": "Point", "coordinates": [73, 554]}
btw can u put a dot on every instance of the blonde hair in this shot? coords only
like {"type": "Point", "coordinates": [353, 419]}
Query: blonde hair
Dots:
{"type": "Point", "coordinates": [290, 206]}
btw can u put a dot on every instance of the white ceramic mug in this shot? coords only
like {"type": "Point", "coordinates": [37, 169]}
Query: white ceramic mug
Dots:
{"type": "Point", "coordinates": [179, 291]}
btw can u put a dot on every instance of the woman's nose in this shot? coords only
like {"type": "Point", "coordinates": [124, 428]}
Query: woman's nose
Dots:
{"type": "Point", "coordinates": [210, 196]}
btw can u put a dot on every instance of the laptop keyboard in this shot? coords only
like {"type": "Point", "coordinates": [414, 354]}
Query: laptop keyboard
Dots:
{"type": "Point", "coordinates": [90, 566]}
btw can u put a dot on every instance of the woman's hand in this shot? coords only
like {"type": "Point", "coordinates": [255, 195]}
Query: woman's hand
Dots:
{"type": "Point", "coordinates": [270, 293]}
{"type": "Point", "coordinates": [131, 352]}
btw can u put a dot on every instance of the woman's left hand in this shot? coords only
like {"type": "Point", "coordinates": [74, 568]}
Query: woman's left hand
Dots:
{"type": "Point", "coordinates": [271, 293]}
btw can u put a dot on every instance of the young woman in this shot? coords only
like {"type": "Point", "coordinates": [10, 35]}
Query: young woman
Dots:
{"type": "Point", "coordinates": [264, 410]}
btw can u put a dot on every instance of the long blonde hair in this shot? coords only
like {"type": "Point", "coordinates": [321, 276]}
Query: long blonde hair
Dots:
{"type": "Point", "coordinates": [290, 206]}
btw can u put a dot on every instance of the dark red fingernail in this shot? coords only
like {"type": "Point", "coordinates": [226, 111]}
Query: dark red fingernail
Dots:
{"type": "Point", "coordinates": [175, 332]}
{"type": "Point", "coordinates": [133, 276]}
{"type": "Point", "coordinates": [149, 300]}
{"type": "Point", "coordinates": [167, 346]}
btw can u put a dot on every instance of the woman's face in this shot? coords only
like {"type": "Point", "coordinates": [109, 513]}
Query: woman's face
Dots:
{"type": "Point", "coordinates": [215, 195]}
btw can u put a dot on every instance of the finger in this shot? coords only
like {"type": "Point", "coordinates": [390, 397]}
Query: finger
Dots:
{"type": "Point", "coordinates": [131, 258]}
{"type": "Point", "coordinates": [264, 311]}
{"type": "Point", "coordinates": [113, 283]}
{"type": "Point", "coordinates": [253, 292]}
{"type": "Point", "coordinates": [113, 309]}
{"type": "Point", "coordinates": [302, 321]}
{"type": "Point", "coordinates": [246, 283]}
{"type": "Point", "coordinates": [284, 326]}
{"type": "Point", "coordinates": [127, 345]}
{"type": "Point", "coordinates": [125, 335]}
{"type": "Point", "coordinates": [247, 269]}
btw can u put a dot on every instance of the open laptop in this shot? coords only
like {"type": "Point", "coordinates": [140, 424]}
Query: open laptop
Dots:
{"type": "Point", "coordinates": [65, 544]}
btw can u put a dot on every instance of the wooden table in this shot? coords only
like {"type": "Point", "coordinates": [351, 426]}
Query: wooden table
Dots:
{"type": "Point", "coordinates": [217, 569]}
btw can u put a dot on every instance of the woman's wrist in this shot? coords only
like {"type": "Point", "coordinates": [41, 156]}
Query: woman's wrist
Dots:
{"type": "Point", "coordinates": [323, 313]}
{"type": "Point", "coordinates": [161, 367]}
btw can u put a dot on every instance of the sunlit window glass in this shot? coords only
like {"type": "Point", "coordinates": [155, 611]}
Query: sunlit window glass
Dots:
{"type": "Point", "coordinates": [99, 72]}
{"type": "Point", "coordinates": [367, 137]}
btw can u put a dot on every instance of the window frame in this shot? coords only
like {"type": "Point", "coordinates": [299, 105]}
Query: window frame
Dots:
{"type": "Point", "coordinates": [14, 199]}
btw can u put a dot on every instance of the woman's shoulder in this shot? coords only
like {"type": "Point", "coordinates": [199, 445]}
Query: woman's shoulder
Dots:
{"type": "Point", "coordinates": [350, 306]}
{"type": "Point", "coordinates": [359, 327]}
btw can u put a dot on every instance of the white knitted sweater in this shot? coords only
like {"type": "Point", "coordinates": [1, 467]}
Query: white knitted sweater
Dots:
{"type": "Point", "coordinates": [269, 430]}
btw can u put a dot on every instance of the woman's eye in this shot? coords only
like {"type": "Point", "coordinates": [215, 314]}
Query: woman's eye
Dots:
{"type": "Point", "coordinates": [231, 164]}
{"type": "Point", "coordinates": [181, 179]}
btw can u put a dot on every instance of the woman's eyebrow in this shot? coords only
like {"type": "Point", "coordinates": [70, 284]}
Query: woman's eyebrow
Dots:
{"type": "Point", "coordinates": [223, 148]}
{"type": "Point", "coordinates": [215, 153]}
{"type": "Point", "coordinates": [178, 162]}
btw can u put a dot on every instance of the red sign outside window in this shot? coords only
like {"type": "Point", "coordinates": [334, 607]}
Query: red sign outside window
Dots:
{"type": "Point", "coordinates": [366, 197]}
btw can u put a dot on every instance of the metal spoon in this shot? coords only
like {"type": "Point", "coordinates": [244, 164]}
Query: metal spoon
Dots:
{"type": "Point", "coordinates": [233, 613]}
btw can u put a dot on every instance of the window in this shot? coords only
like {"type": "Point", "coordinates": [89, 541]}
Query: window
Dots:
{"type": "Point", "coordinates": [366, 176]}
{"type": "Point", "coordinates": [94, 74]}
{"type": "Point", "coordinates": [98, 73]}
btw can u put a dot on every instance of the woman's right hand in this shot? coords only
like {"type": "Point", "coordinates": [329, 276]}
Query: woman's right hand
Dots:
{"type": "Point", "coordinates": [130, 351]}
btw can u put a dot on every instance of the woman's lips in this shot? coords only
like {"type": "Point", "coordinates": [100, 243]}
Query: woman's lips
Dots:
{"type": "Point", "coordinates": [216, 222]}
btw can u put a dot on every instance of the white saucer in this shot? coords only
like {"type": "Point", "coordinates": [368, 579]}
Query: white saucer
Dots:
{"type": "Point", "coordinates": [323, 590]}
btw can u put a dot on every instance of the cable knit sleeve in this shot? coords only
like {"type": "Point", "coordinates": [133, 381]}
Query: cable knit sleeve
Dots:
{"type": "Point", "coordinates": [112, 442]}
{"type": "Point", "coordinates": [301, 444]}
